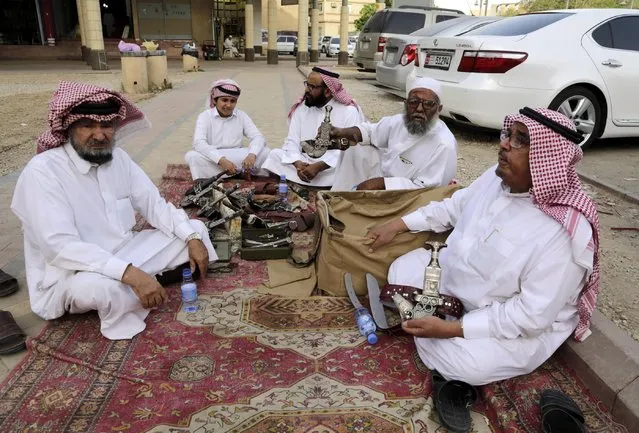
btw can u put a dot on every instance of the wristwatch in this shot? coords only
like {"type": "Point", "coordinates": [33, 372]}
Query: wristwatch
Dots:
{"type": "Point", "coordinates": [194, 236]}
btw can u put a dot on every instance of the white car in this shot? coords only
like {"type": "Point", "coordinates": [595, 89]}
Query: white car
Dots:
{"type": "Point", "coordinates": [400, 52]}
{"type": "Point", "coordinates": [333, 47]}
{"type": "Point", "coordinates": [582, 63]}
{"type": "Point", "coordinates": [286, 44]}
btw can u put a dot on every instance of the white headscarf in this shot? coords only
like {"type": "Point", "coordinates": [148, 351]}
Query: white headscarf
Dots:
{"type": "Point", "coordinates": [425, 83]}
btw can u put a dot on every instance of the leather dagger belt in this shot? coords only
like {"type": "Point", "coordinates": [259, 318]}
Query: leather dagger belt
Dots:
{"type": "Point", "coordinates": [444, 305]}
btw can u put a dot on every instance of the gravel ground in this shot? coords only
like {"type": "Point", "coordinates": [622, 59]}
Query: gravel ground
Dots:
{"type": "Point", "coordinates": [619, 298]}
{"type": "Point", "coordinates": [24, 102]}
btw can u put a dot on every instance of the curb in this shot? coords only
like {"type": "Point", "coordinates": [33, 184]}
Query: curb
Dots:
{"type": "Point", "coordinates": [608, 364]}
{"type": "Point", "coordinates": [619, 192]}
{"type": "Point", "coordinates": [608, 361]}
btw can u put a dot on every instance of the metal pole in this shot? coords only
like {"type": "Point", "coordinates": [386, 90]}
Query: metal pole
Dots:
{"type": "Point", "coordinates": [486, 8]}
{"type": "Point", "coordinates": [37, 3]}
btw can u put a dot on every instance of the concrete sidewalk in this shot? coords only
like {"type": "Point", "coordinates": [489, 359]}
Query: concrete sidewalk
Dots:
{"type": "Point", "coordinates": [267, 94]}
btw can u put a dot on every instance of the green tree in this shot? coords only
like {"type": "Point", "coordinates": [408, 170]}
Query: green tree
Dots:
{"type": "Point", "coordinates": [544, 5]}
{"type": "Point", "coordinates": [364, 14]}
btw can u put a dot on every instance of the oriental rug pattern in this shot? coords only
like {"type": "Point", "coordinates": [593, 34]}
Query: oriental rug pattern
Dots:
{"type": "Point", "coordinates": [251, 363]}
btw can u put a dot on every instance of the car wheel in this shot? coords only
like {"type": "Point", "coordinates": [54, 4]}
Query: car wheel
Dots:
{"type": "Point", "coordinates": [583, 107]}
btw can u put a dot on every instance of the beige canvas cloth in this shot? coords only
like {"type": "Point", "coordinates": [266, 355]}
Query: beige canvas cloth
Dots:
{"type": "Point", "coordinates": [285, 279]}
{"type": "Point", "coordinates": [347, 217]}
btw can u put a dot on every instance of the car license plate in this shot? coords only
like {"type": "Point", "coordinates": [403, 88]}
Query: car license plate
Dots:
{"type": "Point", "coordinates": [365, 46]}
{"type": "Point", "coordinates": [389, 58]}
{"type": "Point", "coordinates": [437, 61]}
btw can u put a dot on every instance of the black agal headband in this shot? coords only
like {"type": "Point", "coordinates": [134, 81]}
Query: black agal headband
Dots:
{"type": "Point", "coordinates": [110, 106]}
{"type": "Point", "coordinates": [560, 129]}
{"type": "Point", "coordinates": [325, 72]}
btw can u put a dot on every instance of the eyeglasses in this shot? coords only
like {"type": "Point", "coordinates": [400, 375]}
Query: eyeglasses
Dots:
{"type": "Point", "coordinates": [313, 86]}
{"type": "Point", "coordinates": [515, 139]}
{"type": "Point", "coordinates": [428, 104]}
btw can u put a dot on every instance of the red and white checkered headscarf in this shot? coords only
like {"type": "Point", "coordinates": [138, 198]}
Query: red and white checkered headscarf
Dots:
{"type": "Point", "coordinates": [223, 87]}
{"type": "Point", "coordinates": [558, 193]}
{"type": "Point", "coordinates": [335, 86]}
{"type": "Point", "coordinates": [68, 95]}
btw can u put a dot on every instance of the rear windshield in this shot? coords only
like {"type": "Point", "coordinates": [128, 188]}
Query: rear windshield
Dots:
{"type": "Point", "coordinates": [374, 23]}
{"type": "Point", "coordinates": [519, 25]}
{"type": "Point", "coordinates": [436, 28]}
{"type": "Point", "coordinates": [403, 23]}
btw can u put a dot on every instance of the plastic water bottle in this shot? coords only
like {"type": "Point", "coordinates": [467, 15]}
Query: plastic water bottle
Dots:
{"type": "Point", "coordinates": [189, 292]}
{"type": "Point", "coordinates": [282, 189]}
{"type": "Point", "coordinates": [366, 324]}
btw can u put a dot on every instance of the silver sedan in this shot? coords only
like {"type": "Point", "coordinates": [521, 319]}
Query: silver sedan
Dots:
{"type": "Point", "coordinates": [400, 52]}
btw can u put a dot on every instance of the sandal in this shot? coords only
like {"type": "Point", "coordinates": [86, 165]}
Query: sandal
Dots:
{"type": "Point", "coordinates": [12, 338]}
{"type": "Point", "coordinates": [560, 413]}
{"type": "Point", "coordinates": [8, 284]}
{"type": "Point", "coordinates": [453, 399]}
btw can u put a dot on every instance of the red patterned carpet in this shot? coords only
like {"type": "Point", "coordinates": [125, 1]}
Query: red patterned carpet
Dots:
{"type": "Point", "coordinates": [251, 363]}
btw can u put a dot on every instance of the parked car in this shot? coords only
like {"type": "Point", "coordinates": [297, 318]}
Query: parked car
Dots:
{"type": "Point", "coordinates": [400, 52]}
{"type": "Point", "coordinates": [387, 23]}
{"type": "Point", "coordinates": [582, 63]}
{"type": "Point", "coordinates": [286, 44]}
{"type": "Point", "coordinates": [324, 43]}
{"type": "Point", "coordinates": [333, 48]}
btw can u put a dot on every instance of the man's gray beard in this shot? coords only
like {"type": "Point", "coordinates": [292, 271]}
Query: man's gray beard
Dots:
{"type": "Point", "coordinates": [419, 126]}
{"type": "Point", "coordinates": [94, 156]}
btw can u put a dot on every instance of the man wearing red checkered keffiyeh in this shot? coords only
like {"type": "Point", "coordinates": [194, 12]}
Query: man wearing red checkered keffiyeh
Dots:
{"type": "Point", "coordinates": [70, 95]}
{"type": "Point", "coordinates": [557, 191]}
{"type": "Point", "coordinates": [522, 257]}
{"type": "Point", "coordinates": [77, 200]}
{"type": "Point", "coordinates": [322, 90]}
{"type": "Point", "coordinates": [334, 89]}
{"type": "Point", "coordinates": [218, 139]}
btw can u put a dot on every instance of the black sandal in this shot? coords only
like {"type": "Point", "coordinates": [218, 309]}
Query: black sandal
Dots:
{"type": "Point", "coordinates": [12, 337]}
{"type": "Point", "coordinates": [8, 284]}
{"type": "Point", "coordinates": [560, 413]}
{"type": "Point", "coordinates": [453, 399]}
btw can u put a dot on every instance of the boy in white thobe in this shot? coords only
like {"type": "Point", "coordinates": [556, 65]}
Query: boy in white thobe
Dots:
{"type": "Point", "coordinates": [522, 257]}
{"type": "Point", "coordinates": [322, 88]}
{"type": "Point", "coordinates": [410, 150]}
{"type": "Point", "coordinates": [219, 134]}
{"type": "Point", "coordinates": [77, 201]}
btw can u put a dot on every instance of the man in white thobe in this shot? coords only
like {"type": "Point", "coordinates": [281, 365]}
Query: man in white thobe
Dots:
{"type": "Point", "coordinates": [219, 134]}
{"type": "Point", "coordinates": [77, 201]}
{"type": "Point", "coordinates": [228, 46]}
{"type": "Point", "coordinates": [522, 257]}
{"type": "Point", "coordinates": [323, 88]}
{"type": "Point", "coordinates": [405, 151]}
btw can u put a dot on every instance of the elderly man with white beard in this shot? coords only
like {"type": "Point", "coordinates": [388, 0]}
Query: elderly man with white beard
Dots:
{"type": "Point", "coordinates": [407, 151]}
